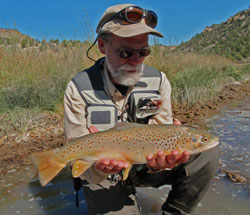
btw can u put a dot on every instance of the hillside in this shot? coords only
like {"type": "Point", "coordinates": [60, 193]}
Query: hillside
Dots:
{"type": "Point", "coordinates": [7, 33]}
{"type": "Point", "coordinates": [13, 36]}
{"type": "Point", "coordinates": [230, 38]}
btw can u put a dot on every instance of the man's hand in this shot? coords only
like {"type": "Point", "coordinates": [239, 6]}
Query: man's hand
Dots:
{"type": "Point", "coordinates": [176, 122]}
{"type": "Point", "coordinates": [162, 161]}
{"type": "Point", "coordinates": [110, 166]}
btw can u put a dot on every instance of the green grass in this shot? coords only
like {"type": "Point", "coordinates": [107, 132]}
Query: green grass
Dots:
{"type": "Point", "coordinates": [196, 85]}
{"type": "Point", "coordinates": [37, 79]}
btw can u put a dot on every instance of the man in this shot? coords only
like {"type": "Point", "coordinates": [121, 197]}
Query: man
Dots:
{"type": "Point", "coordinates": [120, 87]}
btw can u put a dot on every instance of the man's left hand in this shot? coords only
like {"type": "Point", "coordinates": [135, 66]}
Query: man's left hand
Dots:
{"type": "Point", "coordinates": [162, 161]}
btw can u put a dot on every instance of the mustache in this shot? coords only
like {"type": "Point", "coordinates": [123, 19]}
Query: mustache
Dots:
{"type": "Point", "coordinates": [127, 67]}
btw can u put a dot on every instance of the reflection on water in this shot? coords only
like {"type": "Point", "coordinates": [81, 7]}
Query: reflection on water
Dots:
{"type": "Point", "coordinates": [21, 193]}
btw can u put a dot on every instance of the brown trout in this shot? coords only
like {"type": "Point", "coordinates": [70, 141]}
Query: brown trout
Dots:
{"type": "Point", "coordinates": [130, 142]}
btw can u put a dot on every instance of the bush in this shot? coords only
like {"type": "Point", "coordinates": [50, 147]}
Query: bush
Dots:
{"type": "Point", "coordinates": [25, 43]}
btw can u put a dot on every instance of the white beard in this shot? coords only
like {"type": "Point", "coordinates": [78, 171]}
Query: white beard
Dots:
{"type": "Point", "coordinates": [122, 76]}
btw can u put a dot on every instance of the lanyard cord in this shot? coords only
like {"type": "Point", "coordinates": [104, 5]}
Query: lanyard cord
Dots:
{"type": "Point", "coordinates": [87, 53]}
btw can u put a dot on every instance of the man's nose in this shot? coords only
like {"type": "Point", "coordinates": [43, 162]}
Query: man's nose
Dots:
{"type": "Point", "coordinates": [135, 59]}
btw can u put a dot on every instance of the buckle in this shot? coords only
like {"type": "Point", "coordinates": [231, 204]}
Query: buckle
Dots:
{"type": "Point", "coordinates": [115, 178]}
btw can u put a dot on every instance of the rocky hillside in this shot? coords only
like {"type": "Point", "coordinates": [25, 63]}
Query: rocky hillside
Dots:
{"type": "Point", "coordinates": [230, 38]}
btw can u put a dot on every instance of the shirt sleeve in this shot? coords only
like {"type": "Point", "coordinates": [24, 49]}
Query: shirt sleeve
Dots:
{"type": "Point", "coordinates": [75, 125]}
{"type": "Point", "coordinates": [165, 116]}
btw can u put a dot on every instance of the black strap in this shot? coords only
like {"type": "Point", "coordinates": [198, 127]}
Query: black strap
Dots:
{"type": "Point", "coordinates": [77, 186]}
{"type": "Point", "coordinates": [77, 199]}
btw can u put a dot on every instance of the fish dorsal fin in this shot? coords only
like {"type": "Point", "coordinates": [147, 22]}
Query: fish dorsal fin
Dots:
{"type": "Point", "coordinates": [124, 125]}
{"type": "Point", "coordinates": [79, 167]}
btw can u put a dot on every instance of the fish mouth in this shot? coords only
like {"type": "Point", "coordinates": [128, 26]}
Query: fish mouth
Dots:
{"type": "Point", "coordinates": [213, 144]}
{"type": "Point", "coordinates": [207, 147]}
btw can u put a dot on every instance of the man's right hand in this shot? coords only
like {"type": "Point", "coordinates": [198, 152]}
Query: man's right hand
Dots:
{"type": "Point", "coordinates": [111, 166]}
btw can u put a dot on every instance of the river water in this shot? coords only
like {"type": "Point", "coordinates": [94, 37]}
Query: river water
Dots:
{"type": "Point", "coordinates": [21, 193]}
{"type": "Point", "coordinates": [225, 196]}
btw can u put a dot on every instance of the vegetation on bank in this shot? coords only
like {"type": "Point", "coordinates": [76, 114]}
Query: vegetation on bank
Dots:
{"type": "Point", "coordinates": [230, 38]}
{"type": "Point", "coordinates": [34, 79]}
{"type": "Point", "coordinates": [196, 78]}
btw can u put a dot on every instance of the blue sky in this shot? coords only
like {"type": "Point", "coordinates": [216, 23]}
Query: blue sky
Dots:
{"type": "Point", "coordinates": [179, 20]}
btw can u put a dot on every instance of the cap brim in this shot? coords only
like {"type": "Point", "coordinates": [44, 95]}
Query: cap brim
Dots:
{"type": "Point", "coordinates": [135, 30]}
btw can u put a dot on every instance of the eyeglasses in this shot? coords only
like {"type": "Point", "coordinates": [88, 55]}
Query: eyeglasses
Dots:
{"type": "Point", "coordinates": [127, 53]}
{"type": "Point", "coordinates": [134, 14]}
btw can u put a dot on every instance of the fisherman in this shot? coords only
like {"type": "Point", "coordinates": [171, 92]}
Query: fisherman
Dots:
{"type": "Point", "coordinates": [120, 88]}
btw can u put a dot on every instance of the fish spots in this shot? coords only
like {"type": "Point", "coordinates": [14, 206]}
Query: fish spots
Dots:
{"type": "Point", "coordinates": [137, 142]}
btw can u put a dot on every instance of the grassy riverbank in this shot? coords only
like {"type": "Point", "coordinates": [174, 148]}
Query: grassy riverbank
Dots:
{"type": "Point", "coordinates": [33, 80]}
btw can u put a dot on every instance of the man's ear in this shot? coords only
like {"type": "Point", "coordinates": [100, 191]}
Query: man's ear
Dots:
{"type": "Point", "coordinates": [101, 46]}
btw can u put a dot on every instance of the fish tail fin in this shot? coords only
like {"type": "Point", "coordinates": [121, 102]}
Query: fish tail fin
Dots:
{"type": "Point", "coordinates": [47, 165]}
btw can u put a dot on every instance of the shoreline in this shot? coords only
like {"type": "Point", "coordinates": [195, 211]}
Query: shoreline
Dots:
{"type": "Point", "coordinates": [47, 133]}
{"type": "Point", "coordinates": [198, 113]}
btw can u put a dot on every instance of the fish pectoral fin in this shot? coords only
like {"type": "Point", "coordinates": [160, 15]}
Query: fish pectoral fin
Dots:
{"type": "Point", "coordinates": [79, 167]}
{"type": "Point", "coordinates": [126, 172]}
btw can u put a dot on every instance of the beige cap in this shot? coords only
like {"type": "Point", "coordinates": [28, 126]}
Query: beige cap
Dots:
{"type": "Point", "coordinates": [116, 27]}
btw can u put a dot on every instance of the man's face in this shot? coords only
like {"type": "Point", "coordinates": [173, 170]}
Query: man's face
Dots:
{"type": "Point", "coordinates": [124, 71]}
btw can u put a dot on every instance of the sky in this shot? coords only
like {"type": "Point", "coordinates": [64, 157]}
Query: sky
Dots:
{"type": "Point", "coordinates": [178, 20]}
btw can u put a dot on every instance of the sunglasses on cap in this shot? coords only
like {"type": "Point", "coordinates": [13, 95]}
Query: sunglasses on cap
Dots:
{"type": "Point", "coordinates": [134, 14]}
{"type": "Point", "coordinates": [127, 53]}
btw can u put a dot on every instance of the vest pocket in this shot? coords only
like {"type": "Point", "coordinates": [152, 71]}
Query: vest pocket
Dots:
{"type": "Point", "coordinates": [102, 116]}
{"type": "Point", "coordinates": [144, 104]}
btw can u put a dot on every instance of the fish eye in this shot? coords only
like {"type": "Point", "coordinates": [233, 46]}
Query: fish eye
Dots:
{"type": "Point", "coordinates": [204, 139]}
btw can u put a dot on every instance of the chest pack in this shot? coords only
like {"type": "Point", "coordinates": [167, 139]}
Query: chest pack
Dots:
{"type": "Point", "coordinates": [100, 108]}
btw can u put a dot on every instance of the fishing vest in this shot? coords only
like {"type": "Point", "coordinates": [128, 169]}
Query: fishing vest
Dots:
{"type": "Point", "coordinates": [101, 111]}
